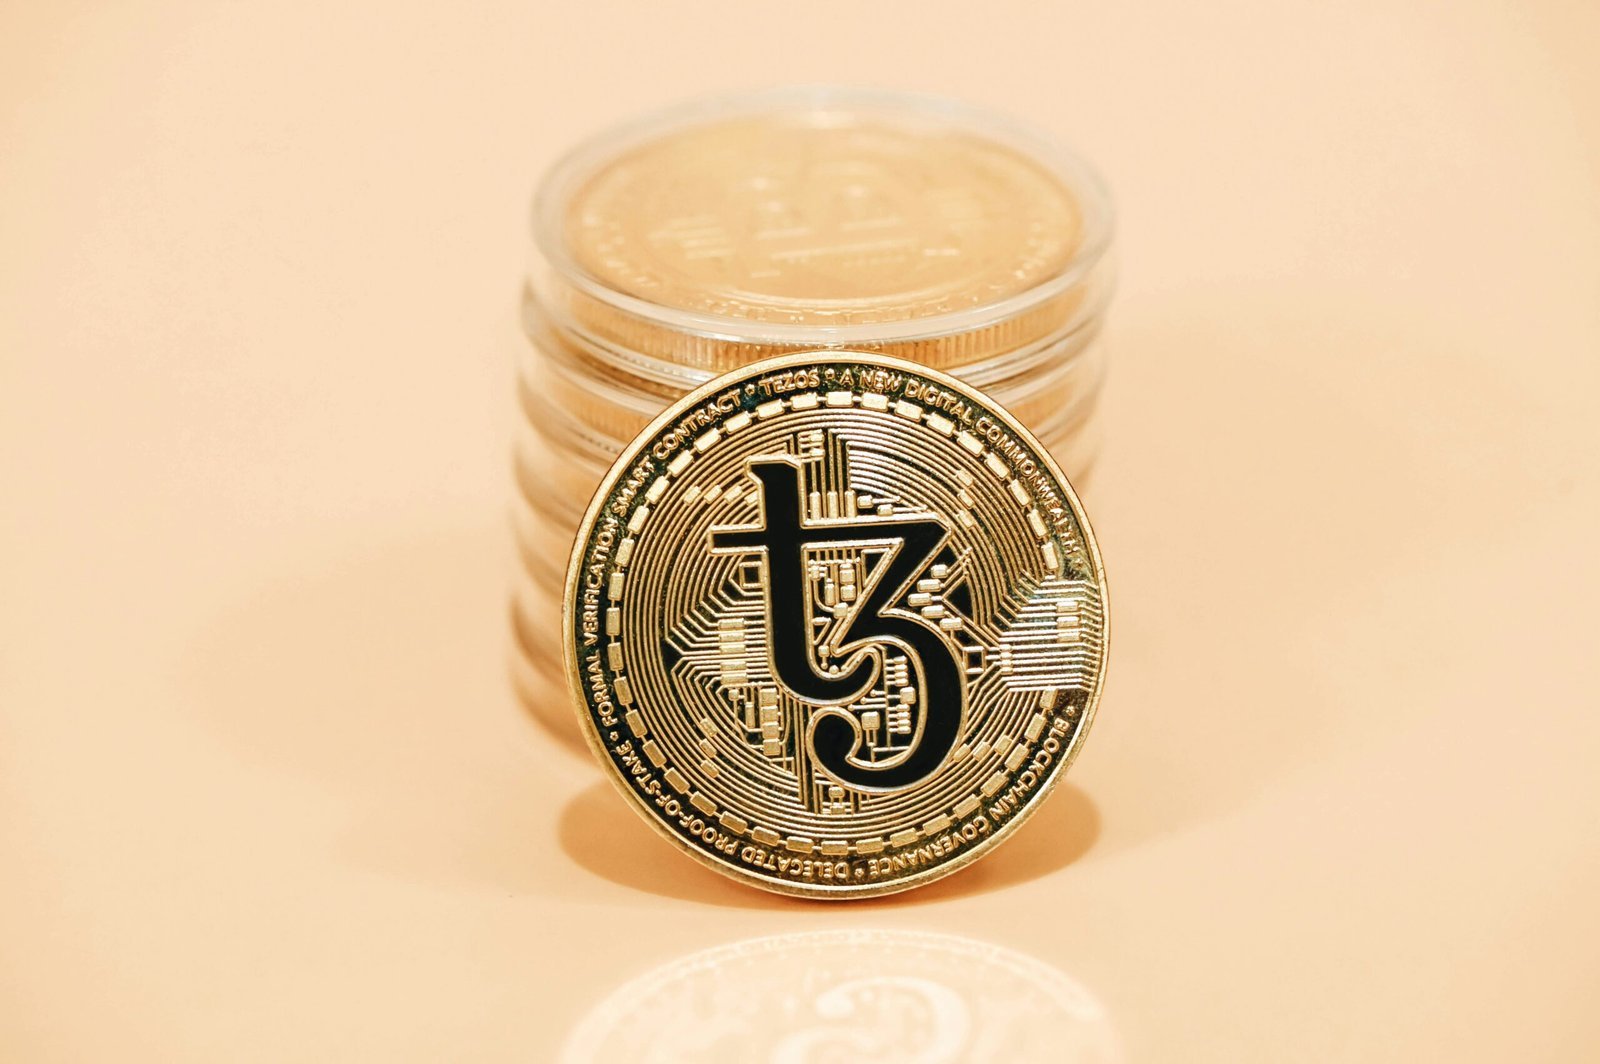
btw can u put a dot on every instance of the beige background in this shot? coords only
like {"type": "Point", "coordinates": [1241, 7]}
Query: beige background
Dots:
{"type": "Point", "coordinates": [265, 793]}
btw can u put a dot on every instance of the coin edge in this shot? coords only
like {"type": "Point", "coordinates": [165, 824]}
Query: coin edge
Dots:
{"type": "Point", "coordinates": [579, 699]}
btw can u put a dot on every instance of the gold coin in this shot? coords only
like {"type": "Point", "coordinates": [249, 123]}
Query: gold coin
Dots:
{"type": "Point", "coordinates": [720, 236]}
{"type": "Point", "coordinates": [638, 340]}
{"type": "Point", "coordinates": [556, 480]}
{"type": "Point", "coordinates": [568, 434]}
{"type": "Point", "coordinates": [539, 682]}
{"type": "Point", "coordinates": [540, 570]}
{"type": "Point", "coordinates": [835, 623]}
{"type": "Point", "coordinates": [818, 218]}
{"type": "Point", "coordinates": [617, 405]}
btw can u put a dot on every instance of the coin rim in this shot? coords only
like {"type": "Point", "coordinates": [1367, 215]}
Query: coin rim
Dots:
{"type": "Point", "coordinates": [1080, 177]}
{"type": "Point", "coordinates": [579, 696]}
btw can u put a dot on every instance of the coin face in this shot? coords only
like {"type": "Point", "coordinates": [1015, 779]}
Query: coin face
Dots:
{"type": "Point", "coordinates": [835, 623]}
{"type": "Point", "coordinates": [822, 217]}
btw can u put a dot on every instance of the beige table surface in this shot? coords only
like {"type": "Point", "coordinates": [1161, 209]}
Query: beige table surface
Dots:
{"type": "Point", "coordinates": [265, 792]}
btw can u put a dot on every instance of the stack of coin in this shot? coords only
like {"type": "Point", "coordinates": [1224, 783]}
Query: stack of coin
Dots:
{"type": "Point", "coordinates": [703, 239]}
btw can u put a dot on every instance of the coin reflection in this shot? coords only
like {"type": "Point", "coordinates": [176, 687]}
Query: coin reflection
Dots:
{"type": "Point", "coordinates": [885, 996]}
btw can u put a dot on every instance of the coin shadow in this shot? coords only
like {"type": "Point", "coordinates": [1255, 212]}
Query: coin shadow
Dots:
{"type": "Point", "coordinates": [604, 837]}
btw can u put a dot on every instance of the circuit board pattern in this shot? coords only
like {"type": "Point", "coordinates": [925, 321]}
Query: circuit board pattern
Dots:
{"type": "Point", "coordinates": [1041, 639]}
{"type": "Point", "coordinates": [679, 651]}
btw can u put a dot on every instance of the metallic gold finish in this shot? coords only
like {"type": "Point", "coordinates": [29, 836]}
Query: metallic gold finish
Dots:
{"type": "Point", "coordinates": [910, 226]}
{"type": "Point", "coordinates": [712, 352]}
{"type": "Point", "coordinates": [836, 623]}
{"type": "Point", "coordinates": [819, 217]}
{"type": "Point", "coordinates": [721, 233]}
{"type": "Point", "coordinates": [617, 405]}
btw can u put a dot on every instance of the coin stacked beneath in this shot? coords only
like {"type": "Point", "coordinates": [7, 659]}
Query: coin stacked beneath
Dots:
{"type": "Point", "coordinates": [701, 240]}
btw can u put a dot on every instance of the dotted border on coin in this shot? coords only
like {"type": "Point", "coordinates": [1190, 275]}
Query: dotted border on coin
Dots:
{"type": "Point", "coordinates": [616, 657]}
